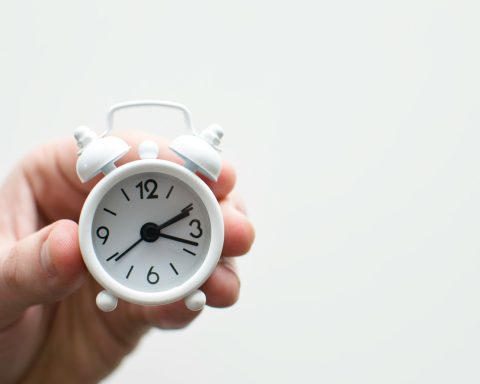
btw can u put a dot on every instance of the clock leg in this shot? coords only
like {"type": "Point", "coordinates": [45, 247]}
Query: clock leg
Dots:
{"type": "Point", "coordinates": [106, 301]}
{"type": "Point", "coordinates": [196, 300]}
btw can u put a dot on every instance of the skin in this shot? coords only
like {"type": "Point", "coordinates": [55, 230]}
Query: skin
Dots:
{"type": "Point", "coordinates": [50, 328]}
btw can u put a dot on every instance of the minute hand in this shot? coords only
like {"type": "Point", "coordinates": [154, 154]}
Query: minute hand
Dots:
{"type": "Point", "coordinates": [185, 213]}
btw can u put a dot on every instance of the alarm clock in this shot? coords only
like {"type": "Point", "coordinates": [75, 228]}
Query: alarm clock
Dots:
{"type": "Point", "coordinates": [150, 231]}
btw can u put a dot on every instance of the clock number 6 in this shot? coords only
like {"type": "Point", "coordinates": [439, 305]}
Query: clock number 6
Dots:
{"type": "Point", "coordinates": [149, 186]}
{"type": "Point", "coordinates": [197, 227]}
{"type": "Point", "coordinates": [152, 277]}
{"type": "Point", "coordinates": [102, 233]}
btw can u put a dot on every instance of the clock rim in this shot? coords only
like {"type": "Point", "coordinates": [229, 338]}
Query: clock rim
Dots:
{"type": "Point", "coordinates": [112, 285]}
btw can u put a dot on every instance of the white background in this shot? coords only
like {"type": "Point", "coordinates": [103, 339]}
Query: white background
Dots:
{"type": "Point", "coordinates": [354, 127]}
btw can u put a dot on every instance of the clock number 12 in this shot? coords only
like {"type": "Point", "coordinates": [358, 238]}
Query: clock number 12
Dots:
{"type": "Point", "coordinates": [148, 188]}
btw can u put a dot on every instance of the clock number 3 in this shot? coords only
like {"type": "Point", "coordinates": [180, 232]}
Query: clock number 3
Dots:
{"type": "Point", "coordinates": [196, 224]}
{"type": "Point", "coordinates": [148, 186]}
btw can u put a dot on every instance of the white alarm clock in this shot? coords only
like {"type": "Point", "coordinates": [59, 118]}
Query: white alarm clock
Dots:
{"type": "Point", "coordinates": [151, 231]}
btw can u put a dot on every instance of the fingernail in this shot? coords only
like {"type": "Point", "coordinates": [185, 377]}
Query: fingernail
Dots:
{"type": "Point", "coordinates": [46, 260]}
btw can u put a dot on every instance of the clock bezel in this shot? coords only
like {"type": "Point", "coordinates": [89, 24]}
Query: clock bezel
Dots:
{"type": "Point", "coordinates": [112, 285]}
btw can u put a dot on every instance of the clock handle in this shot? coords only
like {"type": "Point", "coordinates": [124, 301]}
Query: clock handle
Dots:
{"type": "Point", "coordinates": [149, 103]}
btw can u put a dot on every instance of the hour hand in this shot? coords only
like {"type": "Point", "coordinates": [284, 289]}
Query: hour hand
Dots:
{"type": "Point", "coordinates": [174, 238]}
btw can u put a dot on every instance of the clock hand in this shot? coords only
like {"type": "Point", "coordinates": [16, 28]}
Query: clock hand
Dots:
{"type": "Point", "coordinates": [178, 239]}
{"type": "Point", "coordinates": [183, 214]}
{"type": "Point", "coordinates": [128, 249]}
{"type": "Point", "coordinates": [150, 232]}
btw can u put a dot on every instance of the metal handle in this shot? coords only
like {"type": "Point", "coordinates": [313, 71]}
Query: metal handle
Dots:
{"type": "Point", "coordinates": [149, 103]}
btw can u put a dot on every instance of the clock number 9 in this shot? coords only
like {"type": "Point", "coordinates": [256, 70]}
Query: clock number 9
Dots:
{"type": "Point", "coordinates": [149, 186]}
{"type": "Point", "coordinates": [197, 227]}
{"type": "Point", "coordinates": [102, 233]}
{"type": "Point", "coordinates": [152, 277]}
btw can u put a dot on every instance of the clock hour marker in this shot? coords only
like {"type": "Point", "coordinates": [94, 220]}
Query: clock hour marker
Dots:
{"type": "Point", "coordinates": [190, 252]}
{"type": "Point", "coordinates": [173, 267]}
{"type": "Point", "coordinates": [109, 211]}
{"type": "Point", "coordinates": [169, 192]}
{"type": "Point", "coordinates": [111, 257]}
{"type": "Point", "coordinates": [129, 271]}
{"type": "Point", "coordinates": [125, 194]}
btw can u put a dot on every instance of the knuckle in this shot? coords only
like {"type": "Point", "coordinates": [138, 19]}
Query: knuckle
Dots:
{"type": "Point", "coordinates": [181, 324]}
{"type": "Point", "coordinates": [181, 320]}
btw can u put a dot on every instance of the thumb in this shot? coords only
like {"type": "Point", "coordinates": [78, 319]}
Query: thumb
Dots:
{"type": "Point", "coordinates": [41, 268]}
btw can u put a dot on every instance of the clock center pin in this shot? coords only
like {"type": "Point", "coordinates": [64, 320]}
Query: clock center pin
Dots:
{"type": "Point", "coordinates": [149, 232]}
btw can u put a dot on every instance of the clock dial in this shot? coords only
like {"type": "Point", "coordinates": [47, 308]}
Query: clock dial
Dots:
{"type": "Point", "coordinates": [151, 232]}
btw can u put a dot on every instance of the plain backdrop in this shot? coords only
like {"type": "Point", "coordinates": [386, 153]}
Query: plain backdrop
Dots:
{"type": "Point", "coordinates": [354, 127]}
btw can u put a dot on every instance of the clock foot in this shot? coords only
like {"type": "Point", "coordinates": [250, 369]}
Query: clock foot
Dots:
{"type": "Point", "coordinates": [106, 301]}
{"type": "Point", "coordinates": [196, 300]}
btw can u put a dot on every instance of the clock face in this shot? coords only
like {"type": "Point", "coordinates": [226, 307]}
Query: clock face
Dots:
{"type": "Point", "coordinates": [151, 232]}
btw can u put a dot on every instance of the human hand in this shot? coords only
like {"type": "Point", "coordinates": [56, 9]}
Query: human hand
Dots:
{"type": "Point", "coordinates": [50, 328]}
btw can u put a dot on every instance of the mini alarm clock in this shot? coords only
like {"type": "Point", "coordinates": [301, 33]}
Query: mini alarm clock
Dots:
{"type": "Point", "coordinates": [150, 231]}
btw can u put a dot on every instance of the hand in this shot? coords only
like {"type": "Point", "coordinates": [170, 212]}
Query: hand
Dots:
{"type": "Point", "coordinates": [50, 328]}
